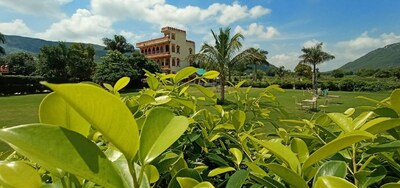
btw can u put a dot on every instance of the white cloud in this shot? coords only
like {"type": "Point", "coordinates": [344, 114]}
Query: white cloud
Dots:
{"type": "Point", "coordinates": [161, 13]}
{"type": "Point", "coordinates": [16, 27]}
{"type": "Point", "coordinates": [288, 60]}
{"type": "Point", "coordinates": [131, 37]}
{"type": "Point", "coordinates": [35, 7]}
{"type": "Point", "coordinates": [311, 43]}
{"type": "Point", "coordinates": [258, 31]}
{"type": "Point", "coordinates": [81, 26]}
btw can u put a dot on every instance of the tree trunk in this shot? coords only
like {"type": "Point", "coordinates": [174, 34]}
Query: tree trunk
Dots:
{"type": "Point", "coordinates": [314, 80]}
{"type": "Point", "coordinates": [222, 89]}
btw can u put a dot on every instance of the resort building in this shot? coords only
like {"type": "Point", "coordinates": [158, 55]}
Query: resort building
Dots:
{"type": "Point", "coordinates": [169, 51]}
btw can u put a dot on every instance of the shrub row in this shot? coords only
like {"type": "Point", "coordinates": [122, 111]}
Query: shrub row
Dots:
{"type": "Point", "coordinates": [17, 84]}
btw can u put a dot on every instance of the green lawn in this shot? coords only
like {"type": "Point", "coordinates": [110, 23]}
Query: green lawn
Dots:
{"type": "Point", "coordinates": [16, 110]}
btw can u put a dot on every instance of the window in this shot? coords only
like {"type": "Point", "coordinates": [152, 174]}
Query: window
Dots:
{"type": "Point", "coordinates": [173, 48]}
{"type": "Point", "coordinates": [167, 48]}
{"type": "Point", "coordinates": [177, 62]}
{"type": "Point", "coordinates": [178, 49]}
{"type": "Point", "coordinates": [190, 50]}
{"type": "Point", "coordinates": [157, 50]}
{"type": "Point", "coordinates": [162, 49]}
{"type": "Point", "coordinates": [173, 62]}
{"type": "Point", "coordinates": [173, 36]}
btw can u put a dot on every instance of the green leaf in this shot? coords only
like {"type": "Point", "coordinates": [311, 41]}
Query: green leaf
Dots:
{"type": "Point", "coordinates": [386, 112]}
{"type": "Point", "coordinates": [384, 147]}
{"type": "Point", "coordinates": [145, 99]}
{"type": "Point", "coordinates": [280, 151]}
{"type": "Point", "coordinates": [343, 121]}
{"type": "Point", "coordinates": [184, 73]}
{"type": "Point", "coordinates": [220, 170]}
{"type": "Point", "coordinates": [237, 155]}
{"type": "Point", "coordinates": [152, 81]}
{"type": "Point", "coordinates": [104, 111]}
{"type": "Point", "coordinates": [152, 173]}
{"type": "Point", "coordinates": [237, 179]}
{"type": "Point", "coordinates": [211, 74]}
{"type": "Point", "coordinates": [208, 93]}
{"type": "Point", "coordinates": [255, 169]}
{"type": "Point", "coordinates": [361, 119]}
{"type": "Point", "coordinates": [336, 145]}
{"type": "Point", "coordinates": [57, 147]}
{"type": "Point", "coordinates": [299, 147]}
{"type": "Point", "coordinates": [332, 182]}
{"type": "Point", "coordinates": [204, 184]}
{"type": "Point", "coordinates": [54, 110]}
{"type": "Point", "coordinates": [240, 84]}
{"type": "Point", "coordinates": [18, 174]}
{"type": "Point", "coordinates": [379, 125]}
{"type": "Point", "coordinates": [288, 175]}
{"type": "Point", "coordinates": [108, 87]}
{"type": "Point", "coordinates": [160, 130]}
{"type": "Point", "coordinates": [332, 168]}
{"type": "Point", "coordinates": [349, 111]}
{"type": "Point", "coordinates": [162, 100]}
{"type": "Point", "coordinates": [391, 185]}
{"type": "Point", "coordinates": [367, 178]}
{"type": "Point", "coordinates": [395, 100]}
{"type": "Point", "coordinates": [238, 119]}
{"type": "Point", "coordinates": [189, 173]}
{"type": "Point", "coordinates": [217, 159]}
{"type": "Point", "coordinates": [185, 182]}
{"type": "Point", "coordinates": [267, 181]}
{"type": "Point", "coordinates": [121, 83]}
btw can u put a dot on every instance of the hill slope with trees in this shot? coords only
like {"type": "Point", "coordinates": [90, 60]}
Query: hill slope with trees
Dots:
{"type": "Point", "coordinates": [383, 58]}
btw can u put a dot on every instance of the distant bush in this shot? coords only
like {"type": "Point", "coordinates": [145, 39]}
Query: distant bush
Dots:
{"type": "Point", "coordinates": [11, 84]}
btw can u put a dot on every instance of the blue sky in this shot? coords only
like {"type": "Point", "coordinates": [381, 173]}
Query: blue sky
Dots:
{"type": "Point", "coordinates": [348, 28]}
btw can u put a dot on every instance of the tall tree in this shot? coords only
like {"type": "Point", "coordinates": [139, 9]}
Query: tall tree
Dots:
{"type": "Point", "coordinates": [255, 57]}
{"type": "Point", "coordinates": [118, 43]}
{"type": "Point", "coordinates": [314, 56]}
{"type": "Point", "coordinates": [53, 61]}
{"type": "Point", "coordinates": [220, 56]}
{"type": "Point", "coordinates": [303, 70]}
{"type": "Point", "coordinates": [80, 64]}
{"type": "Point", "coordinates": [20, 63]}
{"type": "Point", "coordinates": [2, 40]}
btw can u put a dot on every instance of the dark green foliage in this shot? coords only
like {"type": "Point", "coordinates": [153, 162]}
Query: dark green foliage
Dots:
{"type": "Point", "coordinates": [80, 64]}
{"type": "Point", "coordinates": [338, 73]}
{"type": "Point", "coordinates": [118, 43]}
{"type": "Point", "coordinates": [383, 74]}
{"type": "Point", "coordinates": [114, 66]}
{"type": "Point", "coordinates": [20, 63]}
{"type": "Point", "coordinates": [11, 84]}
{"type": "Point", "coordinates": [386, 57]}
{"type": "Point", "coordinates": [303, 70]}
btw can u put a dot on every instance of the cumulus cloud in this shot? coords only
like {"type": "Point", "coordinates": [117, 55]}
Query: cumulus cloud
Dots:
{"type": "Point", "coordinates": [288, 60]}
{"type": "Point", "coordinates": [159, 12]}
{"type": "Point", "coordinates": [311, 43]}
{"type": "Point", "coordinates": [258, 31]}
{"type": "Point", "coordinates": [16, 27]}
{"type": "Point", "coordinates": [34, 7]}
{"type": "Point", "coordinates": [81, 26]}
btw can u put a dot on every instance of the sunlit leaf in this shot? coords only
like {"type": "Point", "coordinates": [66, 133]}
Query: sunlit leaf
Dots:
{"type": "Point", "coordinates": [254, 168]}
{"type": "Point", "coordinates": [54, 110]}
{"type": "Point", "coordinates": [220, 170]}
{"type": "Point", "coordinates": [18, 174]}
{"type": "Point", "coordinates": [188, 173]}
{"type": "Point", "coordinates": [335, 146]}
{"type": "Point", "coordinates": [184, 73]}
{"type": "Point", "coordinates": [211, 74]}
{"type": "Point", "coordinates": [152, 81]}
{"type": "Point", "coordinates": [237, 179]}
{"type": "Point", "coordinates": [288, 175]}
{"type": "Point", "coordinates": [57, 147]}
{"type": "Point", "coordinates": [367, 178]}
{"type": "Point", "coordinates": [395, 100]}
{"type": "Point", "coordinates": [391, 185]}
{"type": "Point", "coordinates": [299, 147]}
{"type": "Point", "coordinates": [208, 93]}
{"type": "Point", "coordinates": [240, 84]}
{"type": "Point", "coordinates": [387, 147]}
{"type": "Point", "coordinates": [332, 168]}
{"type": "Point", "coordinates": [344, 122]}
{"type": "Point", "coordinates": [185, 182]}
{"type": "Point", "coordinates": [121, 83]}
{"type": "Point", "coordinates": [237, 155]}
{"type": "Point", "coordinates": [333, 182]}
{"type": "Point", "coordinates": [145, 99]}
{"type": "Point", "coordinates": [106, 112]}
{"type": "Point", "coordinates": [160, 130]}
{"type": "Point", "coordinates": [379, 125]}
{"type": "Point", "coordinates": [152, 173]}
{"type": "Point", "coordinates": [204, 184]}
{"type": "Point", "coordinates": [238, 119]}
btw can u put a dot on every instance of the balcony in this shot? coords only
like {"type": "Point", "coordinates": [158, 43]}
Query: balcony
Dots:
{"type": "Point", "coordinates": [153, 42]}
{"type": "Point", "coordinates": [158, 55]}
{"type": "Point", "coordinates": [167, 67]}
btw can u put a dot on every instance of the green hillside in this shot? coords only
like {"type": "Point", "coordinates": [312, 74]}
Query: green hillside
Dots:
{"type": "Point", "coordinates": [32, 45]}
{"type": "Point", "coordinates": [383, 58]}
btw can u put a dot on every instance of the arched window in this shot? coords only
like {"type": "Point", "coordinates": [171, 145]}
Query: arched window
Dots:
{"type": "Point", "coordinates": [173, 48]}
{"type": "Point", "coordinates": [190, 50]}
{"type": "Point", "coordinates": [178, 62]}
{"type": "Point", "coordinates": [173, 62]}
{"type": "Point", "coordinates": [178, 49]}
{"type": "Point", "coordinates": [161, 49]}
{"type": "Point", "coordinates": [167, 48]}
{"type": "Point", "coordinates": [157, 50]}
{"type": "Point", "coordinates": [153, 51]}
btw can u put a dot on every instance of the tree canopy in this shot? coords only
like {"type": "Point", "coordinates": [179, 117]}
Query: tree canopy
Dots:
{"type": "Point", "coordinates": [118, 43]}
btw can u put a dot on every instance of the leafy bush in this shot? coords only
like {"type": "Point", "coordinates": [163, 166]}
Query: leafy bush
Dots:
{"type": "Point", "coordinates": [11, 84]}
{"type": "Point", "coordinates": [90, 137]}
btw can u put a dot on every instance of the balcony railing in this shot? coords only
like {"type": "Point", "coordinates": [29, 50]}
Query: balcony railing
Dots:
{"type": "Point", "coordinates": [153, 42]}
{"type": "Point", "coordinates": [163, 54]}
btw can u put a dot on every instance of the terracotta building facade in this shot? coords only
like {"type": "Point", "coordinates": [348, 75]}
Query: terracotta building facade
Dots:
{"type": "Point", "coordinates": [169, 51]}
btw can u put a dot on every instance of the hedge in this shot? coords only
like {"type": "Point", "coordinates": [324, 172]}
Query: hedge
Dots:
{"type": "Point", "coordinates": [18, 84]}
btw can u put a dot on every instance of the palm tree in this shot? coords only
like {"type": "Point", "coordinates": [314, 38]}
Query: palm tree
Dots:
{"type": "Point", "coordinates": [255, 57]}
{"type": "Point", "coordinates": [221, 55]}
{"type": "Point", "coordinates": [2, 40]}
{"type": "Point", "coordinates": [119, 43]}
{"type": "Point", "coordinates": [313, 56]}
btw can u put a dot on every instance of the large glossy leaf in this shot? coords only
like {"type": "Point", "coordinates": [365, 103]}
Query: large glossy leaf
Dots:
{"type": "Point", "coordinates": [160, 130]}
{"type": "Point", "coordinates": [121, 83]}
{"type": "Point", "coordinates": [185, 182]}
{"type": "Point", "coordinates": [237, 179]}
{"type": "Point", "coordinates": [204, 184]}
{"type": "Point", "coordinates": [288, 175]}
{"type": "Point", "coordinates": [152, 81]}
{"type": "Point", "coordinates": [384, 147]}
{"type": "Point", "coordinates": [380, 125]}
{"type": "Point", "coordinates": [255, 169]}
{"type": "Point", "coordinates": [189, 173]}
{"type": "Point", "coordinates": [299, 147]}
{"type": "Point", "coordinates": [332, 168]}
{"type": "Point", "coordinates": [211, 74]}
{"type": "Point", "coordinates": [238, 119]}
{"type": "Point", "coordinates": [336, 145]}
{"type": "Point", "coordinates": [343, 121]}
{"type": "Point", "coordinates": [332, 182]}
{"type": "Point", "coordinates": [18, 174]}
{"type": "Point", "coordinates": [237, 155]}
{"type": "Point", "coordinates": [106, 112]}
{"type": "Point", "coordinates": [391, 185]}
{"type": "Point", "coordinates": [361, 119]}
{"type": "Point", "coordinates": [152, 173]}
{"type": "Point", "coordinates": [220, 170]}
{"type": "Point", "coordinates": [367, 178]}
{"type": "Point", "coordinates": [280, 151]}
{"type": "Point", "coordinates": [386, 112]}
{"type": "Point", "coordinates": [184, 73]}
{"type": "Point", "coordinates": [54, 110]}
{"type": "Point", "coordinates": [395, 100]}
{"type": "Point", "coordinates": [57, 147]}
